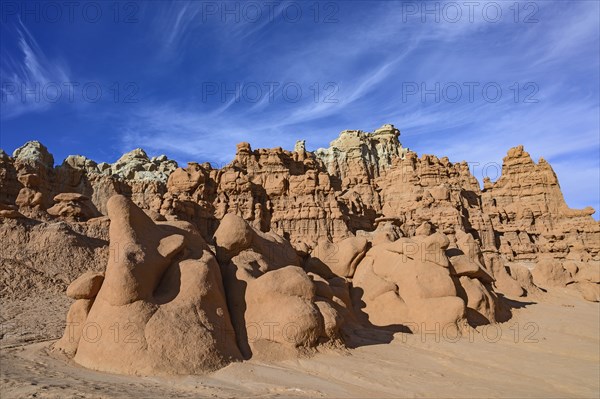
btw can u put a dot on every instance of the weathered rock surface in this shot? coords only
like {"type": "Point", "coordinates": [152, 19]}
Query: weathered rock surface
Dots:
{"type": "Point", "coordinates": [361, 180]}
{"type": "Point", "coordinates": [339, 259]}
{"type": "Point", "coordinates": [281, 251]}
{"type": "Point", "coordinates": [531, 222]}
{"type": "Point", "coordinates": [273, 301]}
{"type": "Point", "coordinates": [30, 179]}
{"type": "Point", "coordinates": [282, 313]}
{"type": "Point", "coordinates": [86, 286]}
{"type": "Point", "coordinates": [45, 257]}
{"type": "Point", "coordinates": [73, 205]}
{"type": "Point", "coordinates": [162, 289]}
{"type": "Point", "coordinates": [357, 157]}
{"type": "Point", "coordinates": [410, 282]}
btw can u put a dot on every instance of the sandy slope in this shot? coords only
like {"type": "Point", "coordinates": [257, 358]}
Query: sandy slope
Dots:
{"type": "Point", "coordinates": [556, 356]}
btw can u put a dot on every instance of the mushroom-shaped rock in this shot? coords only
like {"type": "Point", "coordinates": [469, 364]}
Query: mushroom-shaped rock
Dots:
{"type": "Point", "coordinates": [72, 205]}
{"type": "Point", "coordinates": [65, 197]}
{"type": "Point", "coordinates": [86, 286]}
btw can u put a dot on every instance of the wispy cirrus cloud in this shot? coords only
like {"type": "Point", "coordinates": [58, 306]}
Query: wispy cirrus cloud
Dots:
{"type": "Point", "coordinates": [175, 23]}
{"type": "Point", "coordinates": [25, 78]}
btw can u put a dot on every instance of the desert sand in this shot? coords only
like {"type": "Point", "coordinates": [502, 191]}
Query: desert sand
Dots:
{"type": "Point", "coordinates": [557, 356]}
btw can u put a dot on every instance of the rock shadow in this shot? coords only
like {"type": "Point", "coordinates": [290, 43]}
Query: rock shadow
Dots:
{"type": "Point", "coordinates": [362, 332]}
{"type": "Point", "coordinates": [506, 305]}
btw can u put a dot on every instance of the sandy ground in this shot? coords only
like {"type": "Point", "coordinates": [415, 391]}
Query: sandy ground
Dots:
{"type": "Point", "coordinates": [549, 349]}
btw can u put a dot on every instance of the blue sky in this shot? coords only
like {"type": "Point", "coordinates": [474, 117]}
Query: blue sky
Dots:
{"type": "Point", "coordinates": [191, 79]}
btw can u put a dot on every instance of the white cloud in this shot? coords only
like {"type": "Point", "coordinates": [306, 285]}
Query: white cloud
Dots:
{"type": "Point", "coordinates": [26, 80]}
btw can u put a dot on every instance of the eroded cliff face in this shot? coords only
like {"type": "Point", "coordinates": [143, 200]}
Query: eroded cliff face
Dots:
{"type": "Point", "coordinates": [365, 185]}
{"type": "Point", "coordinates": [356, 156]}
{"type": "Point", "coordinates": [30, 180]}
{"type": "Point", "coordinates": [530, 217]}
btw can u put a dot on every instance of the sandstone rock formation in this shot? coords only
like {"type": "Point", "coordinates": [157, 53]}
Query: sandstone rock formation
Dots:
{"type": "Point", "coordinates": [340, 259]}
{"type": "Point", "coordinates": [30, 180]}
{"type": "Point", "coordinates": [283, 313]}
{"type": "Point", "coordinates": [356, 156]}
{"type": "Point", "coordinates": [423, 285]}
{"type": "Point", "coordinates": [533, 224]}
{"type": "Point", "coordinates": [162, 289]}
{"type": "Point", "coordinates": [273, 301]}
{"type": "Point", "coordinates": [281, 252]}
{"type": "Point", "coordinates": [72, 205]}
